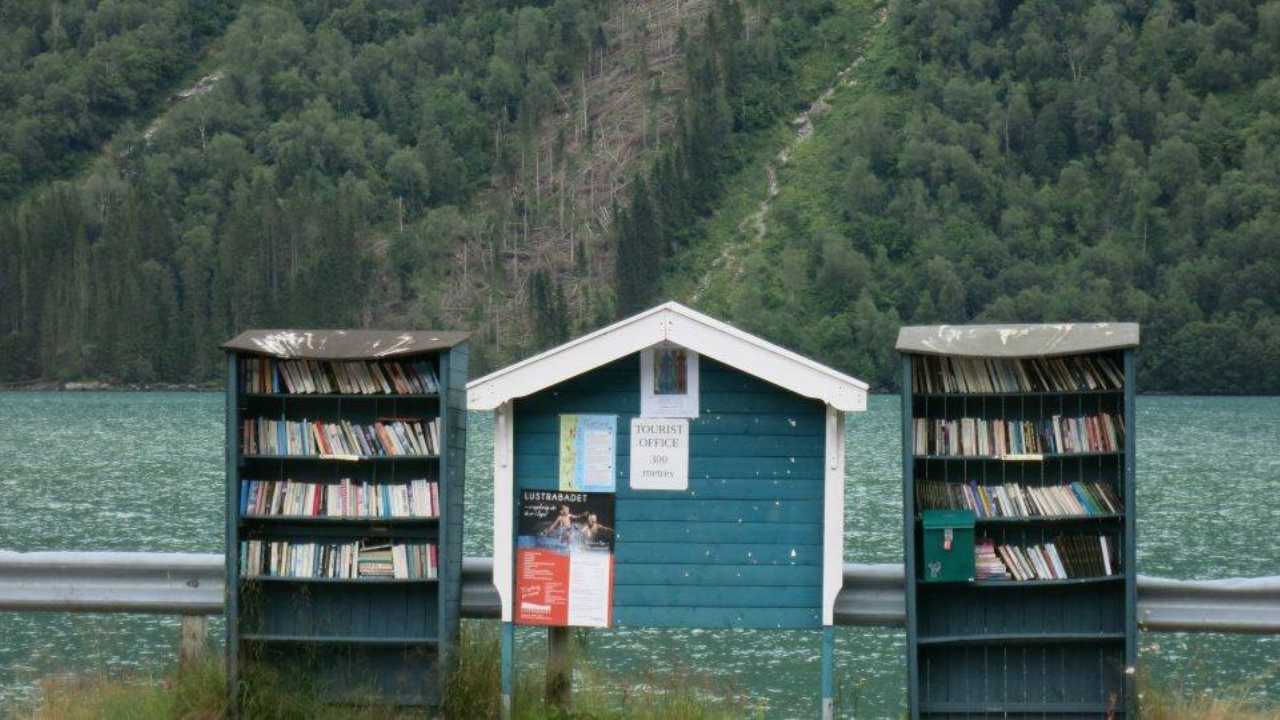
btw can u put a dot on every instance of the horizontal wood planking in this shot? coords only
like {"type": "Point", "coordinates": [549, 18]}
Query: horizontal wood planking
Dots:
{"type": "Point", "coordinates": [752, 424]}
{"type": "Point", "coordinates": [548, 466]}
{"type": "Point", "coordinates": [552, 401]}
{"type": "Point", "coordinates": [705, 488]}
{"type": "Point", "coordinates": [709, 380]}
{"type": "Point", "coordinates": [710, 596]}
{"type": "Point", "coordinates": [720, 532]}
{"type": "Point", "coordinates": [718, 553]}
{"type": "Point", "coordinates": [694, 510]}
{"type": "Point", "coordinates": [710, 575]}
{"type": "Point", "coordinates": [742, 547]}
{"type": "Point", "coordinates": [712, 617]}
{"type": "Point", "coordinates": [700, 446]}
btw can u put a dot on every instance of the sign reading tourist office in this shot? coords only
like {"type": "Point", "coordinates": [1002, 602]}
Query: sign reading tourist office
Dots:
{"type": "Point", "coordinates": [669, 471]}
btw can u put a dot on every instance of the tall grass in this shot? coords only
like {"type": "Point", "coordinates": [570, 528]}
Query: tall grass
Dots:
{"type": "Point", "coordinates": [473, 691]}
{"type": "Point", "coordinates": [1174, 701]}
{"type": "Point", "coordinates": [199, 693]}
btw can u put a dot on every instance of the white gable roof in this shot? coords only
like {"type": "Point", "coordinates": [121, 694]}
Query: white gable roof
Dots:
{"type": "Point", "coordinates": [674, 323]}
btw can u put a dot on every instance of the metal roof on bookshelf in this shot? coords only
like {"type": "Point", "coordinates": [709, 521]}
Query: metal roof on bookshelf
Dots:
{"type": "Point", "coordinates": [1017, 341]}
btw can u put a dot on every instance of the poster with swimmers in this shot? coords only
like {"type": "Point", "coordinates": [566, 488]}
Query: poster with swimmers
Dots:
{"type": "Point", "coordinates": [564, 558]}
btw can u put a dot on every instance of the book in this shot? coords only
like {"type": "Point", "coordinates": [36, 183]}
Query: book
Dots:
{"type": "Point", "coordinates": [342, 561]}
{"type": "Point", "coordinates": [266, 375]}
{"type": "Point", "coordinates": [1017, 439]}
{"type": "Point", "coordinates": [386, 437]}
{"type": "Point", "coordinates": [344, 498]}
{"type": "Point", "coordinates": [1018, 500]}
{"type": "Point", "coordinates": [987, 563]}
{"type": "Point", "coordinates": [1063, 558]}
{"type": "Point", "coordinates": [969, 375]}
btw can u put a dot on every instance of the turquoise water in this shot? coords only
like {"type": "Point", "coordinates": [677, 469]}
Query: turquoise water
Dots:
{"type": "Point", "coordinates": [130, 471]}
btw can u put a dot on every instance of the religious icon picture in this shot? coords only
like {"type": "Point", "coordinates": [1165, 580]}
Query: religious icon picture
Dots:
{"type": "Point", "coordinates": [669, 382]}
{"type": "Point", "coordinates": [670, 372]}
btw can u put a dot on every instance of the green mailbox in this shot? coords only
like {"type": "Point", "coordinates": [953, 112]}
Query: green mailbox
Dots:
{"type": "Point", "coordinates": [948, 545]}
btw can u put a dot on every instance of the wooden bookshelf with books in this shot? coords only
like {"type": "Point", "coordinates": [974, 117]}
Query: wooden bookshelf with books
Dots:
{"type": "Point", "coordinates": [1018, 520]}
{"type": "Point", "coordinates": [345, 456]}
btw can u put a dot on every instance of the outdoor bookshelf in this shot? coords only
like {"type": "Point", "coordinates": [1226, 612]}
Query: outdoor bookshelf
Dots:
{"type": "Point", "coordinates": [340, 624]}
{"type": "Point", "coordinates": [1043, 648]}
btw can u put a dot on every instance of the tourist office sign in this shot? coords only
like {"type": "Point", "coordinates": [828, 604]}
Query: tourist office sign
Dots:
{"type": "Point", "coordinates": [659, 454]}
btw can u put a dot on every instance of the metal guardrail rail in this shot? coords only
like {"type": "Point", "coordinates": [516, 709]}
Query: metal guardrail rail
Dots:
{"type": "Point", "coordinates": [873, 595]}
{"type": "Point", "coordinates": [127, 582]}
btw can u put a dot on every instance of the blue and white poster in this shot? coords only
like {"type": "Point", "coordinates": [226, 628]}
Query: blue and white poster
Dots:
{"type": "Point", "coordinates": [588, 449]}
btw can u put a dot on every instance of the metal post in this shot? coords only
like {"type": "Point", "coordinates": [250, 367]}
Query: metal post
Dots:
{"type": "Point", "coordinates": [192, 644]}
{"type": "Point", "coordinates": [508, 669]}
{"type": "Point", "coordinates": [559, 670]}
{"type": "Point", "coordinates": [828, 674]}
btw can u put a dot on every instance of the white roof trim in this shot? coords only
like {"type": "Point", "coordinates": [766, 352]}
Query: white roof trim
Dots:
{"type": "Point", "coordinates": [670, 322]}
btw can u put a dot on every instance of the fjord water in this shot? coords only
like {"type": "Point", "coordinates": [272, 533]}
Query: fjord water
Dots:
{"type": "Point", "coordinates": [143, 471]}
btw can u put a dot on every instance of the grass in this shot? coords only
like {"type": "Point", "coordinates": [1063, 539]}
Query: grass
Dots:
{"type": "Point", "coordinates": [199, 693]}
{"type": "Point", "coordinates": [1165, 701]}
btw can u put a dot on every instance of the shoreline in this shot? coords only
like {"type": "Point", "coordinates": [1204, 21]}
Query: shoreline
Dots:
{"type": "Point", "coordinates": [103, 386]}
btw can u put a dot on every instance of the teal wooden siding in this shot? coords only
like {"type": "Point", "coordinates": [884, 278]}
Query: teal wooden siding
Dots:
{"type": "Point", "coordinates": [742, 547]}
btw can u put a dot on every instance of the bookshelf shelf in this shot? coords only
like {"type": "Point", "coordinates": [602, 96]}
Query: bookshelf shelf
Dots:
{"type": "Point", "coordinates": [343, 396]}
{"type": "Point", "coordinates": [1071, 709]}
{"type": "Point", "coordinates": [1036, 520]}
{"type": "Point", "coordinates": [344, 458]}
{"type": "Point", "coordinates": [337, 581]}
{"type": "Point", "coordinates": [1019, 638]}
{"type": "Point", "coordinates": [384, 639]}
{"type": "Point", "coordinates": [1038, 457]}
{"type": "Point", "coordinates": [322, 520]}
{"type": "Point", "coordinates": [1014, 394]}
{"type": "Point", "coordinates": [1083, 628]}
{"type": "Point", "coordinates": [1102, 579]}
{"type": "Point", "coordinates": [339, 639]}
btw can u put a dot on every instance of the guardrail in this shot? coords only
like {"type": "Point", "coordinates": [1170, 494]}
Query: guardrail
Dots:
{"type": "Point", "coordinates": [191, 585]}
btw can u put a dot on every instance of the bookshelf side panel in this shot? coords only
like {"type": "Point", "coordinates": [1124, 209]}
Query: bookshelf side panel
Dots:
{"type": "Point", "coordinates": [453, 405]}
{"type": "Point", "coordinates": [1130, 530]}
{"type": "Point", "coordinates": [909, 537]}
{"type": "Point", "coordinates": [231, 550]}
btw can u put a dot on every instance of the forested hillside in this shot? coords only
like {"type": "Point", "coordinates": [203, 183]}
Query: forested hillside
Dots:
{"type": "Point", "coordinates": [531, 170]}
{"type": "Point", "coordinates": [376, 162]}
{"type": "Point", "coordinates": [1028, 161]}
{"type": "Point", "coordinates": [71, 71]}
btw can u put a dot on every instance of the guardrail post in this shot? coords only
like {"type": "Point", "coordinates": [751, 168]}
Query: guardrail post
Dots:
{"type": "Point", "coordinates": [194, 640]}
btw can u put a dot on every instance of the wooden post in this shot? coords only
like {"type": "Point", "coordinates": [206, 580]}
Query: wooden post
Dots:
{"type": "Point", "coordinates": [828, 674]}
{"type": "Point", "coordinates": [508, 669]}
{"type": "Point", "coordinates": [559, 668]}
{"type": "Point", "coordinates": [194, 635]}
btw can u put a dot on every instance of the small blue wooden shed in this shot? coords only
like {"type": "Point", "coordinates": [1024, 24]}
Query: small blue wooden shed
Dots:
{"type": "Point", "coordinates": [756, 539]}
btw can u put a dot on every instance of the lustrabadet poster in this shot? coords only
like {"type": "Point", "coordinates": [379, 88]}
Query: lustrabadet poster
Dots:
{"type": "Point", "coordinates": [564, 559]}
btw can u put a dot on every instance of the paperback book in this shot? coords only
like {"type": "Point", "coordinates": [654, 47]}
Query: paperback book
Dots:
{"type": "Point", "coordinates": [339, 561]}
{"type": "Point", "coordinates": [1016, 500]}
{"type": "Point", "coordinates": [1066, 557]}
{"type": "Point", "coordinates": [385, 437]}
{"type": "Point", "coordinates": [969, 375]}
{"type": "Point", "coordinates": [982, 437]}
{"type": "Point", "coordinates": [354, 377]}
{"type": "Point", "coordinates": [418, 498]}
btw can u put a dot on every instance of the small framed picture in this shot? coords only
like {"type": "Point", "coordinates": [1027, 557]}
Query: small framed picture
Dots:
{"type": "Point", "coordinates": [668, 382]}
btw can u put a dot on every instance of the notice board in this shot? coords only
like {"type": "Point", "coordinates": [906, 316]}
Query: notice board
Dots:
{"type": "Point", "coordinates": [564, 559]}
{"type": "Point", "coordinates": [741, 544]}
